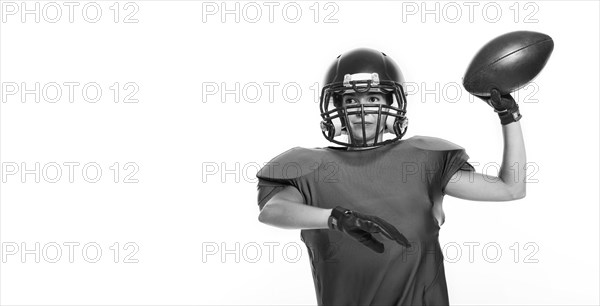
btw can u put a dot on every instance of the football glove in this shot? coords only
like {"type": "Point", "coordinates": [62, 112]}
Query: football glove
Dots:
{"type": "Point", "coordinates": [504, 105]}
{"type": "Point", "coordinates": [360, 227]}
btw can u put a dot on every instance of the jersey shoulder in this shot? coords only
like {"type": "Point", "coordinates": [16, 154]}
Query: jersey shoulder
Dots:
{"type": "Point", "coordinates": [293, 163]}
{"type": "Point", "coordinates": [433, 143]}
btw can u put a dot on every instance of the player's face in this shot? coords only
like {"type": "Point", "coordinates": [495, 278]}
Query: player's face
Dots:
{"type": "Point", "coordinates": [367, 98]}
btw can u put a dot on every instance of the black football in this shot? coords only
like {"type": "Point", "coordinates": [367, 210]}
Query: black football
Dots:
{"type": "Point", "coordinates": [508, 62]}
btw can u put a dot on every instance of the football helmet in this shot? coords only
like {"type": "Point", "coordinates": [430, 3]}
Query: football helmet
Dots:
{"type": "Point", "coordinates": [363, 71]}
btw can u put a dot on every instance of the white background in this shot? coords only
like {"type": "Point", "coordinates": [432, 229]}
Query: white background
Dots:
{"type": "Point", "coordinates": [183, 139]}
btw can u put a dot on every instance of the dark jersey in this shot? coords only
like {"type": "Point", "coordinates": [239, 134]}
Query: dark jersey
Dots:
{"type": "Point", "coordinates": [400, 183]}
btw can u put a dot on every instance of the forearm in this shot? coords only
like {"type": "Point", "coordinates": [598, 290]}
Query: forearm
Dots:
{"type": "Point", "coordinates": [512, 172]}
{"type": "Point", "coordinates": [291, 215]}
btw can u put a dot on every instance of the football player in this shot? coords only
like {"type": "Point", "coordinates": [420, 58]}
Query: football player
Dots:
{"type": "Point", "coordinates": [370, 209]}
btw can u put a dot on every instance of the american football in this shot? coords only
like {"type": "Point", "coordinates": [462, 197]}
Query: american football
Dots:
{"type": "Point", "coordinates": [508, 62]}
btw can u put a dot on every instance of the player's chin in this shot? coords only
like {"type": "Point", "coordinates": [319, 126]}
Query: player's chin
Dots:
{"type": "Point", "coordinates": [357, 131]}
{"type": "Point", "coordinates": [369, 128]}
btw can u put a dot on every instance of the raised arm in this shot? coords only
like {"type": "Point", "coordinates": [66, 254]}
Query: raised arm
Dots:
{"type": "Point", "coordinates": [510, 183]}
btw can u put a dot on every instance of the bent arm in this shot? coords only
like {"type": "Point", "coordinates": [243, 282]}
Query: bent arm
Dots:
{"type": "Point", "coordinates": [287, 209]}
{"type": "Point", "coordinates": [510, 183]}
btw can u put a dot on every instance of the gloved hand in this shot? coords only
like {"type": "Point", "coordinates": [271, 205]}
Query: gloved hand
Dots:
{"type": "Point", "coordinates": [360, 227]}
{"type": "Point", "coordinates": [504, 105]}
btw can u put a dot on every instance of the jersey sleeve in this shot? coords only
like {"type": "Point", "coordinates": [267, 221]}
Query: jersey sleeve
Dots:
{"type": "Point", "coordinates": [267, 189]}
{"type": "Point", "coordinates": [287, 169]}
{"type": "Point", "coordinates": [454, 161]}
{"type": "Point", "coordinates": [449, 158]}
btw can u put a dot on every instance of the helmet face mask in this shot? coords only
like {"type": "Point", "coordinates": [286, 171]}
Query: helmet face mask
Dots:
{"type": "Point", "coordinates": [359, 73]}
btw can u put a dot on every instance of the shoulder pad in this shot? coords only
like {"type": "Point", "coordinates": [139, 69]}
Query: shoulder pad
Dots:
{"type": "Point", "coordinates": [291, 164]}
{"type": "Point", "coordinates": [433, 143]}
